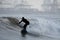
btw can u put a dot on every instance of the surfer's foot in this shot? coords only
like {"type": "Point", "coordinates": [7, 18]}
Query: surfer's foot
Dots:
{"type": "Point", "coordinates": [23, 32]}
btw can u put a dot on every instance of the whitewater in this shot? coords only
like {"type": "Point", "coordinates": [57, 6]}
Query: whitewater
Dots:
{"type": "Point", "coordinates": [44, 28]}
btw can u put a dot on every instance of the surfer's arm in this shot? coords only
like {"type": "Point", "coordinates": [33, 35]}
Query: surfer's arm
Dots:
{"type": "Point", "coordinates": [20, 21]}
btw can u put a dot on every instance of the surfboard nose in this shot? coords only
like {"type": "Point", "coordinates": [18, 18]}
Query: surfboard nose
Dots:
{"type": "Point", "coordinates": [23, 32]}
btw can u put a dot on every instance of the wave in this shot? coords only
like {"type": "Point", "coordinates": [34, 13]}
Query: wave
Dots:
{"type": "Point", "coordinates": [46, 28]}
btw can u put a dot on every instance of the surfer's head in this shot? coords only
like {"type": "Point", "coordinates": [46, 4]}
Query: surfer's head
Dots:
{"type": "Point", "coordinates": [22, 17]}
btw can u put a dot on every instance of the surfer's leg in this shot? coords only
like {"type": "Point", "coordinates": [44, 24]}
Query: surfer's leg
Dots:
{"type": "Point", "coordinates": [25, 26]}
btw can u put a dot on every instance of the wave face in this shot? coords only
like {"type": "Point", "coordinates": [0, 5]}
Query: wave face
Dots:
{"type": "Point", "coordinates": [47, 29]}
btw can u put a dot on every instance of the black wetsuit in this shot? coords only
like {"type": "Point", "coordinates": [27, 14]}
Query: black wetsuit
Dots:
{"type": "Point", "coordinates": [26, 22]}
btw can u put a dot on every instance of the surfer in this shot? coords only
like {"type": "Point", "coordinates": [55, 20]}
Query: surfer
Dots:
{"type": "Point", "coordinates": [25, 26]}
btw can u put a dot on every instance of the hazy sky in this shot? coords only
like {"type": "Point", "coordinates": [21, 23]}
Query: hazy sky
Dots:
{"type": "Point", "coordinates": [36, 4]}
{"type": "Point", "coordinates": [12, 3]}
